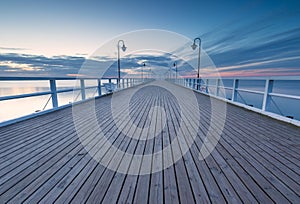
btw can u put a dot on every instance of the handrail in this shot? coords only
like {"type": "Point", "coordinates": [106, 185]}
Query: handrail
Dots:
{"type": "Point", "coordinates": [54, 90]}
{"type": "Point", "coordinates": [214, 88]}
{"type": "Point", "coordinates": [4, 98]}
{"type": "Point", "coordinates": [250, 91]}
{"type": "Point", "coordinates": [285, 96]}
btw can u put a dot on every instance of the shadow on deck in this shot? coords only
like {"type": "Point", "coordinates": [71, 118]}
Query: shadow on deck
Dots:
{"type": "Point", "coordinates": [43, 159]}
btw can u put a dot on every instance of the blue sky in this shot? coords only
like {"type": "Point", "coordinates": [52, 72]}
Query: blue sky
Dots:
{"type": "Point", "coordinates": [241, 37]}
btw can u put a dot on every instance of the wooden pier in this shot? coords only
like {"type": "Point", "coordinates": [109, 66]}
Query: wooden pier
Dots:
{"type": "Point", "coordinates": [257, 159]}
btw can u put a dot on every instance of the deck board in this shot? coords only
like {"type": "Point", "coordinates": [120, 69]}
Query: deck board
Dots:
{"type": "Point", "coordinates": [257, 158]}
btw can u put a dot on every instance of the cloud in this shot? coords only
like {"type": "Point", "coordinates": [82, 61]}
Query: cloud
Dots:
{"type": "Point", "coordinates": [24, 64]}
{"type": "Point", "coordinates": [266, 42]}
{"type": "Point", "coordinates": [12, 49]}
{"type": "Point", "coordinates": [239, 50]}
{"type": "Point", "coordinates": [38, 65]}
{"type": "Point", "coordinates": [275, 50]}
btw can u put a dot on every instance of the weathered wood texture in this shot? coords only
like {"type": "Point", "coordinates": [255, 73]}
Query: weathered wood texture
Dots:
{"type": "Point", "coordinates": [256, 160]}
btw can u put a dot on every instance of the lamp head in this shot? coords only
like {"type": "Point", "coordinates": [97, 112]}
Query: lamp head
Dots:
{"type": "Point", "coordinates": [124, 48]}
{"type": "Point", "coordinates": [174, 64]}
{"type": "Point", "coordinates": [194, 46]}
{"type": "Point", "coordinates": [144, 64]}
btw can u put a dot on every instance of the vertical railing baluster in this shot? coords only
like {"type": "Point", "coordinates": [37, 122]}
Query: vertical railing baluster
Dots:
{"type": "Point", "coordinates": [53, 93]}
{"type": "Point", "coordinates": [234, 89]}
{"type": "Point", "coordinates": [194, 83]}
{"type": "Point", "coordinates": [99, 87]}
{"type": "Point", "coordinates": [207, 86]}
{"type": "Point", "coordinates": [267, 97]}
{"type": "Point", "coordinates": [217, 87]}
{"type": "Point", "coordinates": [82, 87]}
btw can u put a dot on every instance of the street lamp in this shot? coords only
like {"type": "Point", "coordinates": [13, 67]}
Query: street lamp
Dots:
{"type": "Point", "coordinates": [194, 46]}
{"type": "Point", "coordinates": [175, 65]}
{"type": "Point", "coordinates": [143, 72]}
{"type": "Point", "coordinates": [124, 49]}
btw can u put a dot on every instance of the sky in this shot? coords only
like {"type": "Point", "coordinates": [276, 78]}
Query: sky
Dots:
{"type": "Point", "coordinates": [242, 38]}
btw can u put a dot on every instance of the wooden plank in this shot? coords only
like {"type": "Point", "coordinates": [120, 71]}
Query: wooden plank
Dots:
{"type": "Point", "coordinates": [75, 137]}
{"type": "Point", "coordinates": [141, 194]}
{"type": "Point", "coordinates": [50, 185]}
{"type": "Point", "coordinates": [267, 186]}
{"type": "Point", "coordinates": [116, 185]}
{"type": "Point", "coordinates": [186, 194]}
{"type": "Point", "coordinates": [67, 133]}
{"type": "Point", "coordinates": [48, 168]}
{"type": "Point", "coordinates": [103, 184]}
{"type": "Point", "coordinates": [156, 194]}
{"type": "Point", "coordinates": [47, 198]}
{"type": "Point", "coordinates": [266, 154]}
{"type": "Point", "coordinates": [226, 187]}
{"type": "Point", "coordinates": [256, 159]}
{"type": "Point", "coordinates": [129, 185]}
{"type": "Point", "coordinates": [83, 194]}
{"type": "Point", "coordinates": [262, 140]}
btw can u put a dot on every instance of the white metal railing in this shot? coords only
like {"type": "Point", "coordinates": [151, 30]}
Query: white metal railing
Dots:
{"type": "Point", "coordinates": [215, 87]}
{"type": "Point", "coordinates": [79, 85]}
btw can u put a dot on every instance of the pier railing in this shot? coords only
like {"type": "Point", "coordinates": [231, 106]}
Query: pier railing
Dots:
{"type": "Point", "coordinates": [80, 88]}
{"type": "Point", "coordinates": [277, 95]}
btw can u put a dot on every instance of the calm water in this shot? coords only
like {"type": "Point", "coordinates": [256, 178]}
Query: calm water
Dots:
{"type": "Point", "coordinates": [278, 105]}
{"type": "Point", "coordinates": [15, 108]}
{"type": "Point", "coordinates": [19, 107]}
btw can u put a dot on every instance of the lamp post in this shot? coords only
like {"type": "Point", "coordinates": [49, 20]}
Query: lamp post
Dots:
{"type": "Point", "coordinates": [119, 69]}
{"type": "Point", "coordinates": [143, 72]}
{"type": "Point", "coordinates": [194, 46]}
{"type": "Point", "coordinates": [175, 65]}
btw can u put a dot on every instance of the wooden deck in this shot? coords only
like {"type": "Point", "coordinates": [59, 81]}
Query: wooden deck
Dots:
{"type": "Point", "coordinates": [256, 160]}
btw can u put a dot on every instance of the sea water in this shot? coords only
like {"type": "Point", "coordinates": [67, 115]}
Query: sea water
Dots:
{"type": "Point", "coordinates": [11, 109]}
{"type": "Point", "coordinates": [15, 108]}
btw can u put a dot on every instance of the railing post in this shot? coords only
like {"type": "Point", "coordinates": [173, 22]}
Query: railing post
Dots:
{"type": "Point", "coordinates": [99, 87]}
{"type": "Point", "coordinates": [206, 87]}
{"type": "Point", "coordinates": [53, 93]}
{"type": "Point", "coordinates": [217, 87]}
{"type": "Point", "coordinates": [123, 83]}
{"type": "Point", "coordinates": [234, 89]}
{"type": "Point", "coordinates": [82, 87]}
{"type": "Point", "coordinates": [267, 97]}
{"type": "Point", "coordinates": [127, 83]}
{"type": "Point", "coordinates": [193, 85]}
